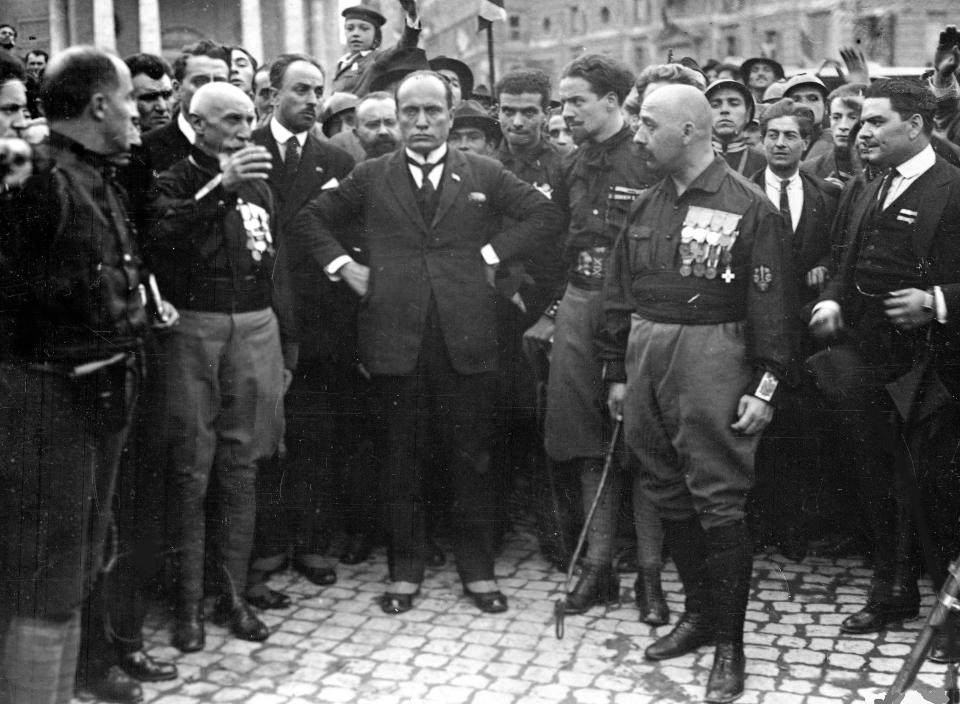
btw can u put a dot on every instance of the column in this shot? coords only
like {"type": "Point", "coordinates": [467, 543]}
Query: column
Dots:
{"type": "Point", "coordinates": [149, 13]}
{"type": "Point", "coordinates": [251, 27]}
{"type": "Point", "coordinates": [59, 29]}
{"type": "Point", "coordinates": [104, 31]}
{"type": "Point", "coordinates": [293, 26]}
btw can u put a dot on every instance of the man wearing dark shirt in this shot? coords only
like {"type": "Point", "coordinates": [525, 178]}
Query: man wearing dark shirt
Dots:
{"type": "Point", "coordinates": [696, 335]}
{"type": "Point", "coordinates": [598, 183]}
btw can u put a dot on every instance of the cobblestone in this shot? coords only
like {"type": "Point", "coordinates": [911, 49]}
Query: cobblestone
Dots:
{"type": "Point", "coordinates": [335, 646]}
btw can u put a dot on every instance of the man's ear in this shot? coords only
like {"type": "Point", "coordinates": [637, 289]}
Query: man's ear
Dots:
{"type": "Point", "coordinates": [176, 86]}
{"type": "Point", "coordinates": [97, 103]}
{"type": "Point", "coordinates": [916, 125]}
{"type": "Point", "coordinates": [196, 122]}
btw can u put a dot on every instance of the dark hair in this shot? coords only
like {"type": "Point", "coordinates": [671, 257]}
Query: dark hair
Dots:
{"type": "Point", "coordinates": [72, 78]}
{"type": "Point", "coordinates": [907, 98]}
{"type": "Point", "coordinates": [788, 108]}
{"type": "Point", "coordinates": [669, 73]}
{"type": "Point", "coordinates": [447, 89]}
{"type": "Point", "coordinates": [525, 80]}
{"type": "Point", "coordinates": [253, 61]}
{"type": "Point", "coordinates": [153, 66]}
{"type": "Point", "coordinates": [15, 33]}
{"type": "Point", "coordinates": [204, 47]}
{"type": "Point", "coordinates": [605, 75]}
{"type": "Point", "coordinates": [38, 52]}
{"type": "Point", "coordinates": [11, 68]}
{"type": "Point", "coordinates": [279, 66]}
{"type": "Point", "coordinates": [850, 94]}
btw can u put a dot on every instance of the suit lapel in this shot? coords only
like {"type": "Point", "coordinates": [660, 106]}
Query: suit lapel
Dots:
{"type": "Point", "coordinates": [932, 202]}
{"type": "Point", "coordinates": [453, 174]}
{"type": "Point", "coordinates": [398, 179]}
{"type": "Point", "coordinates": [310, 177]}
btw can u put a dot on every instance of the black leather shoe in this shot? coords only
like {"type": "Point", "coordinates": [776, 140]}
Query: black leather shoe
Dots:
{"type": "Point", "coordinates": [321, 576]}
{"type": "Point", "coordinates": [597, 585]}
{"type": "Point", "coordinates": [188, 629]}
{"type": "Point", "coordinates": [394, 604]}
{"type": "Point", "coordinates": [793, 547]}
{"type": "Point", "coordinates": [268, 599]}
{"type": "Point", "coordinates": [691, 632]}
{"type": "Point", "coordinates": [242, 622]}
{"type": "Point", "coordinates": [649, 597]}
{"type": "Point", "coordinates": [141, 666]}
{"type": "Point", "coordinates": [726, 675]}
{"type": "Point", "coordinates": [357, 549]}
{"type": "Point", "coordinates": [488, 602]}
{"type": "Point", "coordinates": [941, 652]}
{"type": "Point", "coordinates": [875, 617]}
{"type": "Point", "coordinates": [114, 685]}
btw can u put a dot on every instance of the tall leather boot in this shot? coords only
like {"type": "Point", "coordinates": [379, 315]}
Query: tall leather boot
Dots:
{"type": "Point", "coordinates": [729, 568]}
{"type": "Point", "coordinates": [649, 597]}
{"type": "Point", "coordinates": [688, 547]}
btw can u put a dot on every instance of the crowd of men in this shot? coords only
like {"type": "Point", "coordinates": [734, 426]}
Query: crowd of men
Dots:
{"type": "Point", "coordinates": [231, 308]}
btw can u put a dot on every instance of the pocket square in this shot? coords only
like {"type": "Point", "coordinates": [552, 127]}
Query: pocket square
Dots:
{"type": "Point", "coordinates": [332, 183]}
{"type": "Point", "coordinates": [477, 197]}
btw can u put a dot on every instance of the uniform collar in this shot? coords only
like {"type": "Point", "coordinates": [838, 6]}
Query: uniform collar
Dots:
{"type": "Point", "coordinates": [708, 181]}
{"type": "Point", "coordinates": [62, 142]}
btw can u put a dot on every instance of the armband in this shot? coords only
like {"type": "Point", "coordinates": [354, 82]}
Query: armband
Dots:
{"type": "Point", "coordinates": [767, 387]}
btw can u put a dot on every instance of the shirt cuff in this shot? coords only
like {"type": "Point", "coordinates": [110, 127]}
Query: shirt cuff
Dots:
{"type": "Point", "coordinates": [489, 255]}
{"type": "Point", "coordinates": [940, 305]}
{"type": "Point", "coordinates": [332, 270]}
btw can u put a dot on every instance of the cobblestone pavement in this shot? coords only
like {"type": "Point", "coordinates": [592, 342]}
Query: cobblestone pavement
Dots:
{"type": "Point", "coordinates": [335, 645]}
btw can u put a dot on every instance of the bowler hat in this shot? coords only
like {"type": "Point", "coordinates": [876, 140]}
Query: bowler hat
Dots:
{"type": "Point", "coordinates": [470, 113]}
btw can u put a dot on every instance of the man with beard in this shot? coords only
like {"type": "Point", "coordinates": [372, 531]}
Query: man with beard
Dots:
{"type": "Point", "coordinates": [680, 373]}
{"type": "Point", "coordinates": [599, 182]}
{"type": "Point", "coordinates": [302, 167]}
{"type": "Point", "coordinates": [377, 127]}
{"type": "Point", "coordinates": [894, 300]}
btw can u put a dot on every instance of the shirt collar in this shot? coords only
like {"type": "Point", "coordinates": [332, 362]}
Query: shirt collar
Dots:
{"type": "Point", "coordinates": [918, 163]}
{"type": "Point", "coordinates": [351, 54]}
{"type": "Point", "coordinates": [283, 135]}
{"type": "Point", "coordinates": [771, 178]}
{"type": "Point", "coordinates": [710, 179]}
{"type": "Point", "coordinates": [186, 128]}
{"type": "Point", "coordinates": [438, 154]}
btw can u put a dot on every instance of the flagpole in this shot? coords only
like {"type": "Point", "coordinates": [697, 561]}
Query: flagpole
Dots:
{"type": "Point", "coordinates": [493, 76]}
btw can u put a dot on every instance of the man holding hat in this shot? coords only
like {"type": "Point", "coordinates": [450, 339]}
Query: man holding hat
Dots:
{"type": "Point", "coordinates": [760, 73]}
{"type": "Point", "coordinates": [363, 25]}
{"type": "Point", "coordinates": [733, 109]}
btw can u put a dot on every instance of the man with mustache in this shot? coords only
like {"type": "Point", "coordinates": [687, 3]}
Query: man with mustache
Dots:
{"type": "Point", "coordinates": [377, 128]}
{"type": "Point", "coordinates": [896, 298]}
{"type": "Point", "coordinates": [695, 340]}
{"type": "Point", "coordinates": [302, 167]}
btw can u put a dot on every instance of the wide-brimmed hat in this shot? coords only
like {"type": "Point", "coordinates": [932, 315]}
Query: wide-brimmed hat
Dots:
{"type": "Point", "coordinates": [365, 12]}
{"type": "Point", "coordinates": [445, 63]}
{"type": "Point", "coordinates": [740, 88]}
{"type": "Point", "coordinates": [470, 113]}
{"type": "Point", "coordinates": [751, 62]}
{"type": "Point", "coordinates": [391, 68]}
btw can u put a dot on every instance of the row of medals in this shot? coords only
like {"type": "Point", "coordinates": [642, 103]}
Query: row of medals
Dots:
{"type": "Point", "coordinates": [255, 222]}
{"type": "Point", "coordinates": [706, 239]}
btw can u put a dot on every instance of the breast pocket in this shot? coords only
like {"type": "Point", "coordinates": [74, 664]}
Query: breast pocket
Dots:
{"type": "Point", "coordinates": [640, 245]}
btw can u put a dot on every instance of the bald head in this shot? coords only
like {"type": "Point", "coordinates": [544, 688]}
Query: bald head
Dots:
{"type": "Point", "coordinates": [682, 104]}
{"type": "Point", "coordinates": [675, 129]}
{"type": "Point", "coordinates": [222, 115]}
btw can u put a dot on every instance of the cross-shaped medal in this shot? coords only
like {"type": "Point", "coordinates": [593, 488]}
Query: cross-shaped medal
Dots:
{"type": "Point", "coordinates": [728, 275]}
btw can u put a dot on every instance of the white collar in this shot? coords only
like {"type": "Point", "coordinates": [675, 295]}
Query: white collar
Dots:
{"type": "Point", "coordinates": [771, 179]}
{"type": "Point", "coordinates": [282, 135]}
{"type": "Point", "coordinates": [917, 164]}
{"type": "Point", "coordinates": [433, 157]}
{"type": "Point", "coordinates": [186, 128]}
{"type": "Point", "coordinates": [351, 54]}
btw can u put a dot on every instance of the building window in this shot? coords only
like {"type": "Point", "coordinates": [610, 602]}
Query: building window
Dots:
{"type": "Point", "coordinates": [546, 24]}
{"type": "Point", "coordinates": [604, 15]}
{"type": "Point", "coordinates": [578, 20]}
{"type": "Point", "coordinates": [514, 22]}
{"type": "Point", "coordinates": [731, 45]}
{"type": "Point", "coordinates": [641, 11]}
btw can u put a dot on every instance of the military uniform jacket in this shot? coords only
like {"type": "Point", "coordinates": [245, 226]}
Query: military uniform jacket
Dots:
{"type": "Point", "coordinates": [412, 261]}
{"type": "Point", "coordinates": [649, 272]}
{"type": "Point", "coordinates": [598, 184]}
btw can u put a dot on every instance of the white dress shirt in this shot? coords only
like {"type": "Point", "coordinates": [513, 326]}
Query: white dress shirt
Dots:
{"type": "Point", "coordinates": [186, 128]}
{"type": "Point", "coordinates": [908, 172]}
{"type": "Point", "coordinates": [282, 135]}
{"type": "Point", "coordinates": [794, 194]}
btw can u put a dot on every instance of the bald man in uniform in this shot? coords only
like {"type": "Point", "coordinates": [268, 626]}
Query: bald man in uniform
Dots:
{"type": "Point", "coordinates": [216, 248]}
{"type": "Point", "coordinates": [695, 342]}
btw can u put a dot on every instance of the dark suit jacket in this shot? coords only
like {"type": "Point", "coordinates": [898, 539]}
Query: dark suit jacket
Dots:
{"type": "Point", "coordinates": [412, 260]}
{"type": "Point", "coordinates": [810, 244]}
{"type": "Point", "coordinates": [161, 148]}
{"type": "Point", "coordinates": [936, 242]}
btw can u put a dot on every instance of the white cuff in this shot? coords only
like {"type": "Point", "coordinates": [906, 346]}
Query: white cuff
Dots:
{"type": "Point", "coordinates": [414, 23]}
{"type": "Point", "coordinates": [489, 255]}
{"type": "Point", "coordinates": [332, 270]}
{"type": "Point", "coordinates": [940, 305]}
{"type": "Point", "coordinates": [825, 305]}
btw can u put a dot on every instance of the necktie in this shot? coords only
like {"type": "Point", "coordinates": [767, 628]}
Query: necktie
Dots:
{"type": "Point", "coordinates": [885, 186]}
{"type": "Point", "coordinates": [785, 203]}
{"type": "Point", "coordinates": [426, 186]}
{"type": "Point", "coordinates": [426, 192]}
{"type": "Point", "coordinates": [291, 161]}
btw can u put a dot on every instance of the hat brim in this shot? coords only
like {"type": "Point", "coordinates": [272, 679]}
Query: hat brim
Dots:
{"type": "Point", "coordinates": [358, 12]}
{"type": "Point", "coordinates": [489, 126]}
{"type": "Point", "coordinates": [750, 63]}
{"type": "Point", "coordinates": [458, 67]}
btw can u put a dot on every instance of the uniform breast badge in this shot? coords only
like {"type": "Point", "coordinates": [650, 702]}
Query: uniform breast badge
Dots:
{"type": "Point", "coordinates": [706, 239]}
{"type": "Point", "coordinates": [762, 278]}
{"type": "Point", "coordinates": [256, 223]}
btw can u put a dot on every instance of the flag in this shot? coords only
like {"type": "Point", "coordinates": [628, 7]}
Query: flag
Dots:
{"type": "Point", "coordinates": [490, 11]}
